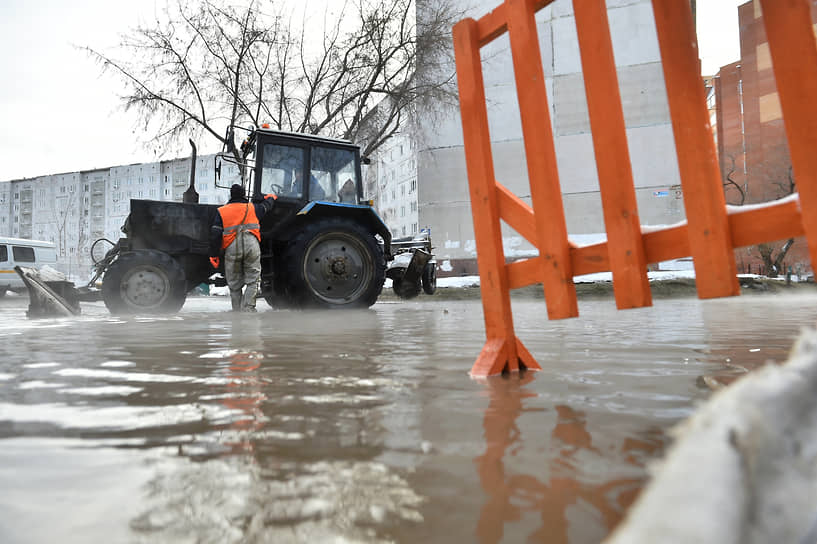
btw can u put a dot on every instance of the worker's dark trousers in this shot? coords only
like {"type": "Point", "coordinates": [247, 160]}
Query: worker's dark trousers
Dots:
{"type": "Point", "coordinates": [242, 268]}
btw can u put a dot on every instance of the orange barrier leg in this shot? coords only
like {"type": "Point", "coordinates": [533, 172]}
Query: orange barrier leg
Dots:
{"type": "Point", "coordinates": [500, 351]}
{"type": "Point", "coordinates": [794, 60]}
{"type": "Point", "coordinates": [705, 204]}
{"type": "Point", "coordinates": [540, 153]}
{"type": "Point", "coordinates": [625, 248]}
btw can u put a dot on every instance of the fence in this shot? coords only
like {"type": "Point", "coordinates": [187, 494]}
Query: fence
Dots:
{"type": "Point", "coordinates": [711, 230]}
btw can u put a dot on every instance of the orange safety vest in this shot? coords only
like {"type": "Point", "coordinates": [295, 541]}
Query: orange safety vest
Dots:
{"type": "Point", "coordinates": [238, 217]}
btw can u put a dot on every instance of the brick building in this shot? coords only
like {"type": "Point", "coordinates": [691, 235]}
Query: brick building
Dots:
{"type": "Point", "coordinates": [752, 148]}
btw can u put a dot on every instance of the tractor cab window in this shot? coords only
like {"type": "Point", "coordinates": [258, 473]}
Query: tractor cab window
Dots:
{"type": "Point", "coordinates": [282, 170]}
{"type": "Point", "coordinates": [333, 175]}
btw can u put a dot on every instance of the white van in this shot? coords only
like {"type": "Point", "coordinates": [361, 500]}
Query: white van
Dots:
{"type": "Point", "coordinates": [20, 252]}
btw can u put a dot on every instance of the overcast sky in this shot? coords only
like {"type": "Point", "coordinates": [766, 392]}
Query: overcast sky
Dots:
{"type": "Point", "coordinates": [59, 115]}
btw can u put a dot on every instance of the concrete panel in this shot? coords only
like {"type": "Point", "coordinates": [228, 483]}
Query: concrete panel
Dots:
{"type": "Point", "coordinates": [544, 28]}
{"type": "Point", "coordinates": [577, 163]}
{"type": "Point", "coordinates": [652, 155]}
{"type": "Point", "coordinates": [570, 115]}
{"type": "Point", "coordinates": [632, 28]}
{"type": "Point", "coordinates": [444, 178]}
{"type": "Point", "coordinates": [504, 119]}
{"type": "Point", "coordinates": [583, 213]}
{"type": "Point", "coordinates": [661, 205]}
{"type": "Point", "coordinates": [564, 8]}
{"type": "Point", "coordinates": [643, 95]}
{"type": "Point", "coordinates": [566, 58]}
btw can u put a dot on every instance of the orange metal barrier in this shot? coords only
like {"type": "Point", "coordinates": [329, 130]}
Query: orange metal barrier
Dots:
{"type": "Point", "coordinates": [711, 231]}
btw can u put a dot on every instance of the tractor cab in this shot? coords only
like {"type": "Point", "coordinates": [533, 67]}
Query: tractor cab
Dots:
{"type": "Point", "coordinates": [322, 244]}
{"type": "Point", "coordinates": [279, 162]}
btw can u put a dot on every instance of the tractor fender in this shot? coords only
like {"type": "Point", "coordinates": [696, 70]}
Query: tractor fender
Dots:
{"type": "Point", "coordinates": [364, 215]}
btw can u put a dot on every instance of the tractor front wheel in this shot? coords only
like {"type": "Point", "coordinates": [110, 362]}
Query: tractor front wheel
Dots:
{"type": "Point", "coordinates": [334, 263]}
{"type": "Point", "coordinates": [430, 278]}
{"type": "Point", "coordinates": [144, 281]}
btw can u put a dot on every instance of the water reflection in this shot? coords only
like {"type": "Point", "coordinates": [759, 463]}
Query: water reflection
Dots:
{"type": "Point", "coordinates": [245, 395]}
{"type": "Point", "coordinates": [355, 426]}
{"type": "Point", "coordinates": [516, 491]}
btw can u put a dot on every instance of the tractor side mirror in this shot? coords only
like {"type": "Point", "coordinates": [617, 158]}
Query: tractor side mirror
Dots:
{"type": "Point", "coordinates": [217, 169]}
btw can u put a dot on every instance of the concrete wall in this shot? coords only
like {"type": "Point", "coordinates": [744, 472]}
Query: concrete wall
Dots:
{"type": "Point", "coordinates": [443, 190]}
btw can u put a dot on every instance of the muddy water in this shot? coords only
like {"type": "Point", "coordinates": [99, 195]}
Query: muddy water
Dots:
{"type": "Point", "coordinates": [352, 427]}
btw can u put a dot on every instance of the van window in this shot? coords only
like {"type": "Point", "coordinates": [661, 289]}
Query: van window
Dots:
{"type": "Point", "coordinates": [4, 254]}
{"type": "Point", "coordinates": [23, 254]}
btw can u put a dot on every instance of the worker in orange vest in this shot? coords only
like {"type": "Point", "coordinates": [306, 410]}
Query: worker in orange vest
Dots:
{"type": "Point", "coordinates": [237, 225]}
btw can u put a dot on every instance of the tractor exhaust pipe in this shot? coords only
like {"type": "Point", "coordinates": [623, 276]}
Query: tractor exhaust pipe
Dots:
{"type": "Point", "coordinates": [190, 195]}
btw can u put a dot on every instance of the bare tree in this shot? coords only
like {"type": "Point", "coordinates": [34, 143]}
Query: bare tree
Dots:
{"type": "Point", "coordinates": [193, 72]}
{"type": "Point", "coordinates": [773, 262]}
{"type": "Point", "coordinates": [732, 184]}
{"type": "Point", "coordinates": [210, 65]}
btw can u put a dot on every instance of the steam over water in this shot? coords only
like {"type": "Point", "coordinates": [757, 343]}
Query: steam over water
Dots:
{"type": "Point", "coordinates": [280, 426]}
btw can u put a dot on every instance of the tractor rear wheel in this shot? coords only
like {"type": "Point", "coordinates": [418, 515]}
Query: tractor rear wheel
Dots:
{"type": "Point", "coordinates": [144, 281]}
{"type": "Point", "coordinates": [334, 263]}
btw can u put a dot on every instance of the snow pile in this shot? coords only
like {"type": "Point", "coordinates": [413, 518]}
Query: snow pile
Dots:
{"type": "Point", "coordinates": [744, 467]}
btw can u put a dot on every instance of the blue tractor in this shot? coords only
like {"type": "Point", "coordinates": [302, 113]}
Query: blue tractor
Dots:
{"type": "Point", "coordinates": [322, 245]}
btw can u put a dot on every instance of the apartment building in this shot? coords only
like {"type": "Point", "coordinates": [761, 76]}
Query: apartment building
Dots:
{"type": "Point", "coordinates": [392, 185]}
{"type": "Point", "coordinates": [75, 209]}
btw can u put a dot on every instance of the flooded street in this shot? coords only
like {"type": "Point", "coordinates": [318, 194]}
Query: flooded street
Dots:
{"type": "Point", "coordinates": [281, 426]}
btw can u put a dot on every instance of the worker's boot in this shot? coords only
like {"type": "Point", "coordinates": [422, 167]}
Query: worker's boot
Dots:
{"type": "Point", "coordinates": [235, 300]}
{"type": "Point", "coordinates": [250, 293]}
